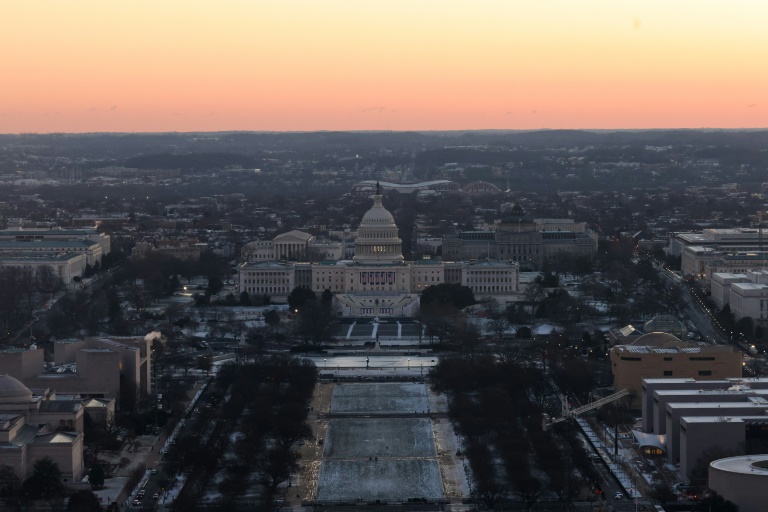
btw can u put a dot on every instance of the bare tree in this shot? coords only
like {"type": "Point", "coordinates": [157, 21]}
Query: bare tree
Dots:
{"type": "Point", "coordinates": [274, 467]}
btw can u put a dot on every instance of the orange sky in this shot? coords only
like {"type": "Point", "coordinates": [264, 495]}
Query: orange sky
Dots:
{"type": "Point", "coordinates": [194, 65]}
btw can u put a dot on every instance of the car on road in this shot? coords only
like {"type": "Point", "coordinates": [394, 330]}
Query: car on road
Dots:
{"type": "Point", "coordinates": [618, 496]}
{"type": "Point", "coordinates": [156, 496]}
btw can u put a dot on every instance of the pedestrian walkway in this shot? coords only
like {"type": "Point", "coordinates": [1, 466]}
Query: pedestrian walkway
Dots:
{"type": "Point", "coordinates": [604, 452]}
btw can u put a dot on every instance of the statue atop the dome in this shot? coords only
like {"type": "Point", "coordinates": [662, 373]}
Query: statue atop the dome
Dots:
{"type": "Point", "coordinates": [378, 189]}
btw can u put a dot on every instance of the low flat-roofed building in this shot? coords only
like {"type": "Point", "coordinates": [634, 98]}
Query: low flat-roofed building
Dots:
{"type": "Point", "coordinates": [699, 434]}
{"type": "Point", "coordinates": [272, 278]}
{"type": "Point", "coordinates": [737, 263]}
{"type": "Point", "coordinates": [696, 417]}
{"type": "Point", "coordinates": [491, 279]}
{"type": "Point", "coordinates": [21, 363]}
{"type": "Point", "coordinates": [110, 367]}
{"type": "Point", "coordinates": [663, 397]}
{"type": "Point", "coordinates": [733, 239]}
{"type": "Point", "coordinates": [26, 235]}
{"type": "Point", "coordinates": [657, 355]}
{"type": "Point", "coordinates": [90, 249]}
{"type": "Point", "coordinates": [654, 391]}
{"type": "Point", "coordinates": [720, 287]}
{"type": "Point", "coordinates": [749, 300]}
{"type": "Point", "coordinates": [694, 259]}
{"type": "Point", "coordinates": [677, 411]}
{"type": "Point", "coordinates": [66, 265]}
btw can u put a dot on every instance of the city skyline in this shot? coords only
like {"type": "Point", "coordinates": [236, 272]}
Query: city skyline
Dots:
{"type": "Point", "coordinates": [86, 66]}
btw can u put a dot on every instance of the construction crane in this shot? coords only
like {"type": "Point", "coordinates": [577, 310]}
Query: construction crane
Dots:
{"type": "Point", "coordinates": [567, 413]}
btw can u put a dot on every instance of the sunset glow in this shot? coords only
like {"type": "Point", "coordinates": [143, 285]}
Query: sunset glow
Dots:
{"type": "Point", "coordinates": [197, 65]}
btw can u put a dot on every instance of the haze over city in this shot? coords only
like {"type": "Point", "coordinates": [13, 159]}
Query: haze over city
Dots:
{"type": "Point", "coordinates": [402, 256]}
{"type": "Point", "coordinates": [89, 66]}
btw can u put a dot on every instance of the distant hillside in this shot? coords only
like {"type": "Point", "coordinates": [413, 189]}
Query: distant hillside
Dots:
{"type": "Point", "coordinates": [191, 161]}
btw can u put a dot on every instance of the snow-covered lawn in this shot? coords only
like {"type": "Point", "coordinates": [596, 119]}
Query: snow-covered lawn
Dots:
{"type": "Point", "coordinates": [386, 480]}
{"type": "Point", "coordinates": [355, 438]}
{"type": "Point", "coordinates": [381, 398]}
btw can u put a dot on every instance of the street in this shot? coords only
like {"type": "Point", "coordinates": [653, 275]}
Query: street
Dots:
{"type": "Point", "coordinates": [695, 311]}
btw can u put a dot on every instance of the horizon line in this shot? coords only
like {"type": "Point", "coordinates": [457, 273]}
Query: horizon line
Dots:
{"type": "Point", "coordinates": [430, 130]}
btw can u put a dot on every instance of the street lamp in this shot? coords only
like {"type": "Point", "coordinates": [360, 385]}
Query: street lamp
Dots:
{"type": "Point", "coordinates": [325, 363]}
{"type": "Point", "coordinates": [409, 363]}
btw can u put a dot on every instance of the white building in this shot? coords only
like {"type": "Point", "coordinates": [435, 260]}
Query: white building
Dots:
{"type": "Point", "coordinates": [377, 281]}
{"type": "Point", "coordinates": [732, 239]}
{"type": "Point", "coordinates": [66, 265]}
{"type": "Point", "coordinates": [272, 278]}
{"type": "Point", "coordinates": [292, 246]}
{"type": "Point", "coordinates": [745, 293]}
{"type": "Point", "coordinates": [89, 248]}
{"type": "Point", "coordinates": [721, 287]}
{"type": "Point", "coordinates": [489, 279]}
{"type": "Point", "coordinates": [749, 300]}
{"type": "Point", "coordinates": [36, 235]}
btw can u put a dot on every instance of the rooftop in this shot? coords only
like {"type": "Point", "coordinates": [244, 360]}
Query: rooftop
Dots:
{"type": "Point", "coordinates": [746, 464]}
{"type": "Point", "coordinates": [57, 438]}
{"type": "Point", "coordinates": [56, 406]}
{"type": "Point", "coordinates": [63, 244]}
{"type": "Point", "coordinates": [37, 256]}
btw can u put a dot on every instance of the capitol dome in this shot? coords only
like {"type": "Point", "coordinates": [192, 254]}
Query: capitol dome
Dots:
{"type": "Point", "coordinates": [377, 237]}
{"type": "Point", "coordinates": [378, 215]}
{"type": "Point", "coordinates": [11, 390]}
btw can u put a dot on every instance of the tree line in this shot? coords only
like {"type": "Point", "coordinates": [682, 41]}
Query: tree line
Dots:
{"type": "Point", "coordinates": [496, 406]}
{"type": "Point", "coordinates": [25, 290]}
{"type": "Point", "coordinates": [268, 400]}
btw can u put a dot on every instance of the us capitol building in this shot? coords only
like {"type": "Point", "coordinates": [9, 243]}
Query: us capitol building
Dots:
{"type": "Point", "coordinates": [377, 281]}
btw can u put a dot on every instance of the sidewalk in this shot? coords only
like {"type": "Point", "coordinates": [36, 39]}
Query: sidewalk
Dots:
{"type": "Point", "coordinates": [604, 452]}
{"type": "Point", "coordinates": [147, 454]}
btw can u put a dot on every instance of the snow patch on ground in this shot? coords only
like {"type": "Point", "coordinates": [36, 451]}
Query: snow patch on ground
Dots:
{"type": "Point", "coordinates": [453, 470]}
{"type": "Point", "coordinates": [356, 438]}
{"type": "Point", "coordinates": [381, 398]}
{"type": "Point", "coordinates": [386, 480]}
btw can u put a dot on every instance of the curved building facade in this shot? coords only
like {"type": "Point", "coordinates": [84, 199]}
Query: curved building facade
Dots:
{"type": "Point", "coordinates": [742, 480]}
